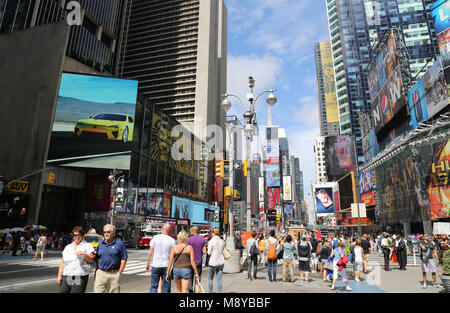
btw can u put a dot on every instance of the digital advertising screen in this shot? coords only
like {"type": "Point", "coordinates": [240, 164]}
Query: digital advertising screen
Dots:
{"type": "Point", "coordinates": [440, 11]}
{"type": "Point", "coordinates": [340, 153]}
{"type": "Point", "coordinates": [324, 199]}
{"type": "Point", "coordinates": [417, 104]}
{"type": "Point", "coordinates": [94, 121]}
{"type": "Point", "coordinates": [367, 187]}
{"type": "Point", "coordinates": [273, 175]}
{"type": "Point", "coordinates": [273, 197]}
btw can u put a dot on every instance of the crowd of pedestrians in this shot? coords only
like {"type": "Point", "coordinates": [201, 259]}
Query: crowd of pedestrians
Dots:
{"type": "Point", "coordinates": [181, 260]}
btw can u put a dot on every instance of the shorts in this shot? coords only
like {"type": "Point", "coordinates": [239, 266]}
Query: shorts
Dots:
{"type": "Point", "coordinates": [40, 249]}
{"type": "Point", "coordinates": [429, 266]}
{"type": "Point", "coordinates": [182, 273]}
{"type": "Point", "coordinates": [304, 266]}
{"type": "Point", "coordinates": [336, 272]}
{"type": "Point", "coordinates": [314, 259]}
{"type": "Point", "coordinates": [366, 258]}
{"type": "Point", "coordinates": [358, 266]}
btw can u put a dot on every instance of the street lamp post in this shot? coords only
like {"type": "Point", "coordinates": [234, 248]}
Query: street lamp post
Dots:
{"type": "Point", "coordinates": [117, 179]}
{"type": "Point", "coordinates": [249, 130]}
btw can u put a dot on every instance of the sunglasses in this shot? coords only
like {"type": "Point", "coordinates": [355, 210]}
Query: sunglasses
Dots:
{"type": "Point", "coordinates": [107, 232]}
{"type": "Point", "coordinates": [77, 235]}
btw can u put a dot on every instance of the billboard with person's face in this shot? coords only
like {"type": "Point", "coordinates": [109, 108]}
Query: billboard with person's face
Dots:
{"type": "Point", "coordinates": [367, 187]}
{"type": "Point", "coordinates": [94, 121]}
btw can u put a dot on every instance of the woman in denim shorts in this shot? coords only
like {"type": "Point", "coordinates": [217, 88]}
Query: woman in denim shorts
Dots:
{"type": "Point", "coordinates": [183, 261]}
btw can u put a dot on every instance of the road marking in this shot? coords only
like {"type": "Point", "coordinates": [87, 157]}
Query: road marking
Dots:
{"type": "Point", "coordinates": [29, 283]}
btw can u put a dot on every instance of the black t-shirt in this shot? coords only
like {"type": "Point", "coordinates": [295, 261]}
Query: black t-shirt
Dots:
{"type": "Point", "coordinates": [365, 244]}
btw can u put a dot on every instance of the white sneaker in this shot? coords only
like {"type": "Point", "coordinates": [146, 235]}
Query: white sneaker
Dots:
{"type": "Point", "coordinates": [424, 286]}
{"type": "Point", "coordinates": [348, 288]}
{"type": "Point", "coordinates": [332, 287]}
{"type": "Point", "coordinates": [437, 286]}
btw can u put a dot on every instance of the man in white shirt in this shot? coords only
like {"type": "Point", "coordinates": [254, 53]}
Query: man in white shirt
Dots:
{"type": "Point", "coordinates": [216, 260]}
{"type": "Point", "coordinates": [160, 248]}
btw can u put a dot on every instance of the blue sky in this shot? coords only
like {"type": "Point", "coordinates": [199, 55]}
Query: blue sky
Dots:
{"type": "Point", "coordinates": [98, 89]}
{"type": "Point", "coordinates": [273, 41]}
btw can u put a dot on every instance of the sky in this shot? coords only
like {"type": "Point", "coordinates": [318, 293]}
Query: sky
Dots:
{"type": "Point", "coordinates": [98, 89]}
{"type": "Point", "coordinates": [273, 41]}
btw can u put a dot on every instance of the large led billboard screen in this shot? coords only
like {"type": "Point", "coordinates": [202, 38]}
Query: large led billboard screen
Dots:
{"type": "Point", "coordinates": [367, 188]}
{"type": "Point", "coordinates": [324, 200]}
{"type": "Point", "coordinates": [273, 175]}
{"type": "Point", "coordinates": [94, 121]}
{"type": "Point", "coordinates": [440, 11]}
{"type": "Point", "coordinates": [340, 155]}
{"type": "Point", "coordinates": [273, 197]}
{"type": "Point", "coordinates": [429, 95]}
{"type": "Point", "coordinates": [385, 84]}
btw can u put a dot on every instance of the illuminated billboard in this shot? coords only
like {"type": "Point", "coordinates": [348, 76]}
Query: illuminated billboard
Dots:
{"type": "Point", "coordinates": [287, 188]}
{"type": "Point", "coordinates": [340, 155]}
{"type": "Point", "coordinates": [94, 121]}
{"type": "Point", "coordinates": [440, 11]}
{"type": "Point", "coordinates": [328, 82]}
{"type": "Point", "coordinates": [385, 84]}
{"type": "Point", "coordinates": [273, 175]}
{"type": "Point", "coordinates": [324, 200]}
{"type": "Point", "coordinates": [429, 95]}
{"type": "Point", "coordinates": [367, 188]}
{"type": "Point", "coordinates": [198, 213]}
{"type": "Point", "coordinates": [273, 197]}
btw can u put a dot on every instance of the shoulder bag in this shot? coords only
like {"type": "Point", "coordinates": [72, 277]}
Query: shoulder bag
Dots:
{"type": "Point", "coordinates": [226, 253]}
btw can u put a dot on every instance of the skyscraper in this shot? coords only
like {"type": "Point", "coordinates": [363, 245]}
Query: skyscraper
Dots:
{"type": "Point", "coordinates": [94, 43]}
{"type": "Point", "coordinates": [355, 26]}
{"type": "Point", "coordinates": [326, 89]}
{"type": "Point", "coordinates": [177, 51]}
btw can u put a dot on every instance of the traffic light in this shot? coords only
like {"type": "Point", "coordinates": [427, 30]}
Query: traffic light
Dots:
{"type": "Point", "coordinates": [51, 178]}
{"type": "Point", "coordinates": [219, 169]}
{"type": "Point", "coordinates": [278, 217]}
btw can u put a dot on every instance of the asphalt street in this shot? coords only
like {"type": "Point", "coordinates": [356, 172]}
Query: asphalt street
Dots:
{"type": "Point", "coordinates": [22, 274]}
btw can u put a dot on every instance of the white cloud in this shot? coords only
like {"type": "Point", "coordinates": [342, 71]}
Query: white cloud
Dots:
{"type": "Point", "coordinates": [264, 70]}
{"type": "Point", "coordinates": [307, 113]}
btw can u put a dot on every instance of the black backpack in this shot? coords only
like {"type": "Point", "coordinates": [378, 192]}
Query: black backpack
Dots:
{"type": "Point", "coordinates": [303, 250]}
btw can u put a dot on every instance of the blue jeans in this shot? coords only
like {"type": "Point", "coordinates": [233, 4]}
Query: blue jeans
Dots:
{"type": "Point", "coordinates": [158, 272]}
{"type": "Point", "coordinates": [215, 270]}
{"type": "Point", "coordinates": [272, 269]}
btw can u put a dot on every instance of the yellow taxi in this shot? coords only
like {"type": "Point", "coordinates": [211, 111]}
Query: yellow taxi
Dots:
{"type": "Point", "coordinates": [93, 238]}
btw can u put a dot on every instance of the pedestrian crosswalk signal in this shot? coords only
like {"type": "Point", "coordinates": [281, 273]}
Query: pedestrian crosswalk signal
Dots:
{"type": "Point", "coordinates": [220, 169]}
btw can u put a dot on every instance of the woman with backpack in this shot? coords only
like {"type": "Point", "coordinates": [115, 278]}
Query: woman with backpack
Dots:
{"type": "Point", "coordinates": [304, 254]}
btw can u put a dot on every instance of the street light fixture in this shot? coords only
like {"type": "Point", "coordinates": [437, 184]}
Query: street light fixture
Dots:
{"type": "Point", "coordinates": [249, 116]}
{"type": "Point", "coordinates": [117, 179]}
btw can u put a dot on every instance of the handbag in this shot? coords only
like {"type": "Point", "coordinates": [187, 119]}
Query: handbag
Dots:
{"type": "Point", "coordinates": [173, 263]}
{"type": "Point", "coordinates": [89, 267]}
{"type": "Point", "coordinates": [198, 288]}
{"type": "Point", "coordinates": [394, 257]}
{"type": "Point", "coordinates": [226, 254]}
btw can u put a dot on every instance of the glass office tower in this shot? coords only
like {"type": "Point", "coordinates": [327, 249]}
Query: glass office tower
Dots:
{"type": "Point", "coordinates": [355, 26]}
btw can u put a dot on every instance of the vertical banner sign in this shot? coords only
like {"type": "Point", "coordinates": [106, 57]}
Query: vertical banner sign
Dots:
{"type": "Point", "coordinates": [261, 188]}
{"type": "Point", "coordinates": [287, 188]}
{"type": "Point", "coordinates": [328, 82]}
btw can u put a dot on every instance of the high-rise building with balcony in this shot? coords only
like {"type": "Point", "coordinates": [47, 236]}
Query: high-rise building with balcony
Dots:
{"type": "Point", "coordinates": [177, 51]}
{"type": "Point", "coordinates": [355, 26]}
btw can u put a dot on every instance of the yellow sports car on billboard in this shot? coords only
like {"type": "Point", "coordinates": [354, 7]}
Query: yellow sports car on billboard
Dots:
{"type": "Point", "coordinates": [108, 126]}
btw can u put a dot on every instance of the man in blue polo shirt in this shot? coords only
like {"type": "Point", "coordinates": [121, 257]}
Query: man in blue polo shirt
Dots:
{"type": "Point", "coordinates": [111, 260]}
